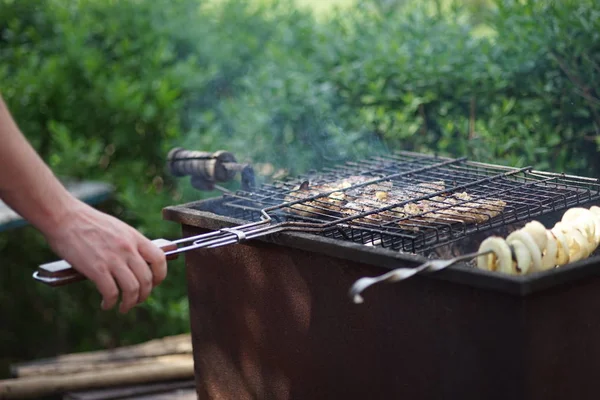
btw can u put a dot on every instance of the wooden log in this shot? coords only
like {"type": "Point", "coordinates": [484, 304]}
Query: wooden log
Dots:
{"type": "Point", "coordinates": [78, 367]}
{"type": "Point", "coordinates": [178, 344]}
{"type": "Point", "coordinates": [171, 388]}
{"type": "Point", "coordinates": [169, 368]}
{"type": "Point", "coordinates": [189, 394]}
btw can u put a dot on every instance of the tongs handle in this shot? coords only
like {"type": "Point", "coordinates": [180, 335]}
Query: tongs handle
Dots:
{"type": "Point", "coordinates": [60, 272]}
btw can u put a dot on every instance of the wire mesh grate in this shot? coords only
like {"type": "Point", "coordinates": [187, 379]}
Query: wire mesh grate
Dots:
{"type": "Point", "coordinates": [413, 202]}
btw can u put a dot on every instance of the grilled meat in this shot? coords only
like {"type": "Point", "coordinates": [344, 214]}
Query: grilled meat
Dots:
{"type": "Point", "coordinates": [379, 200]}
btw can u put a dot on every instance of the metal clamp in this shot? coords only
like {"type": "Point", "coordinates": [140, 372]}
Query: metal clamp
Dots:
{"type": "Point", "coordinates": [241, 235]}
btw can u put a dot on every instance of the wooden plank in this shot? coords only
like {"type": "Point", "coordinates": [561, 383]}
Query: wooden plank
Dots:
{"type": "Point", "coordinates": [170, 345]}
{"type": "Point", "coordinates": [176, 367]}
{"type": "Point", "coordinates": [188, 394]}
{"type": "Point", "coordinates": [171, 389]}
{"type": "Point", "coordinates": [88, 192]}
{"type": "Point", "coordinates": [75, 368]}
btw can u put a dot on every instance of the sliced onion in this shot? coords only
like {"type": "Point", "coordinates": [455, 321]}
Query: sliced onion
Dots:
{"type": "Point", "coordinates": [597, 230]}
{"type": "Point", "coordinates": [576, 239]}
{"type": "Point", "coordinates": [537, 231]}
{"type": "Point", "coordinates": [499, 260]}
{"type": "Point", "coordinates": [535, 248]}
{"type": "Point", "coordinates": [582, 217]}
{"type": "Point", "coordinates": [532, 248]}
{"type": "Point", "coordinates": [587, 226]}
{"type": "Point", "coordinates": [562, 255]}
{"type": "Point", "coordinates": [550, 252]}
{"type": "Point", "coordinates": [523, 256]}
{"type": "Point", "coordinates": [574, 213]}
{"type": "Point", "coordinates": [595, 212]}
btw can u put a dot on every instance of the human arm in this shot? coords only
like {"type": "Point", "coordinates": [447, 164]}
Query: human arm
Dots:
{"type": "Point", "coordinates": [107, 251]}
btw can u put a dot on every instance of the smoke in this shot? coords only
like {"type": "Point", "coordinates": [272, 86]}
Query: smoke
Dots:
{"type": "Point", "coordinates": [261, 86]}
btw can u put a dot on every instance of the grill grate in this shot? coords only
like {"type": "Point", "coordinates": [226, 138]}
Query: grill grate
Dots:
{"type": "Point", "coordinates": [416, 178]}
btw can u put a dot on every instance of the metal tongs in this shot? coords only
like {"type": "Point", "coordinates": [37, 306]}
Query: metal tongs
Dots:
{"type": "Point", "coordinates": [400, 274]}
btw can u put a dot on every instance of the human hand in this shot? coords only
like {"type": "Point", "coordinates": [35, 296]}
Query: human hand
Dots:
{"type": "Point", "coordinates": [110, 253]}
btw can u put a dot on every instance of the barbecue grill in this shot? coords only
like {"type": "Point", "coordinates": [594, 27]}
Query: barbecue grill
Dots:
{"type": "Point", "coordinates": [271, 316]}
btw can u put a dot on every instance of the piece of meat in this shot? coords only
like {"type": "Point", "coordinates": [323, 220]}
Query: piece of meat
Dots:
{"type": "Point", "coordinates": [337, 201]}
{"type": "Point", "coordinates": [347, 201]}
{"type": "Point", "coordinates": [370, 202]}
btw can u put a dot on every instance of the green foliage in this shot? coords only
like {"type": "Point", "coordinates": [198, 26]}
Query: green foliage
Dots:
{"type": "Point", "coordinates": [423, 81]}
{"type": "Point", "coordinates": [416, 76]}
{"type": "Point", "coordinates": [105, 88]}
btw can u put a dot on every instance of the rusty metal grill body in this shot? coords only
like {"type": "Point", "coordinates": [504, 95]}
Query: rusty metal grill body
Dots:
{"type": "Point", "coordinates": [271, 319]}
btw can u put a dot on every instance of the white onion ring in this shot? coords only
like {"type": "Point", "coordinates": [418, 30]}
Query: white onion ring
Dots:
{"type": "Point", "coordinates": [499, 260]}
{"type": "Point", "coordinates": [582, 217]}
{"type": "Point", "coordinates": [550, 252]}
{"type": "Point", "coordinates": [586, 225]}
{"type": "Point", "coordinates": [577, 241]}
{"type": "Point", "coordinates": [537, 231]}
{"type": "Point", "coordinates": [595, 214]}
{"type": "Point", "coordinates": [573, 213]}
{"type": "Point", "coordinates": [523, 256]}
{"type": "Point", "coordinates": [534, 251]}
{"type": "Point", "coordinates": [562, 255]}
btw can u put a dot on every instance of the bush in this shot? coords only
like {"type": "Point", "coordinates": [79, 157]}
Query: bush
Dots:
{"type": "Point", "coordinates": [425, 82]}
{"type": "Point", "coordinates": [104, 89]}
{"type": "Point", "coordinates": [409, 76]}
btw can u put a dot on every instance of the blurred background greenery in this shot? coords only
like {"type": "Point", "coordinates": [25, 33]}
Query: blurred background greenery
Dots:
{"type": "Point", "coordinates": [104, 88]}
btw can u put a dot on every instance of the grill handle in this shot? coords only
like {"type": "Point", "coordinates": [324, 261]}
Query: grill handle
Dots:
{"type": "Point", "coordinates": [59, 273]}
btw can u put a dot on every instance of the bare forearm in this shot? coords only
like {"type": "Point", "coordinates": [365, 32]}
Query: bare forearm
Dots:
{"type": "Point", "coordinates": [104, 249]}
{"type": "Point", "coordinates": [27, 185]}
